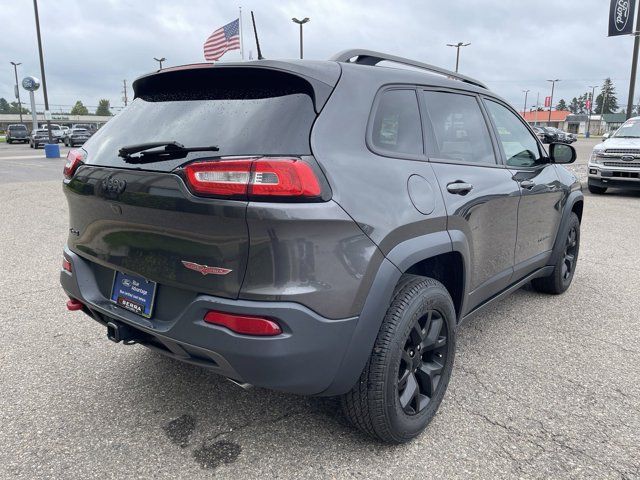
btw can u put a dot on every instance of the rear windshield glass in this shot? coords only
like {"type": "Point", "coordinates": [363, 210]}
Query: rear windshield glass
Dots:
{"type": "Point", "coordinates": [245, 112]}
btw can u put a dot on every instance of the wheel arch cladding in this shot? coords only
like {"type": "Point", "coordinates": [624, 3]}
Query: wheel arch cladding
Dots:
{"type": "Point", "coordinates": [574, 204]}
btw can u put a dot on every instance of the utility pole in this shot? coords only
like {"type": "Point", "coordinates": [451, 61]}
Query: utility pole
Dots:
{"type": "Point", "coordinates": [553, 84]}
{"type": "Point", "coordinates": [535, 122]}
{"type": "Point", "coordinates": [15, 70]}
{"type": "Point", "coordinates": [300, 22]}
{"type": "Point", "coordinates": [634, 66]}
{"type": "Point", "coordinates": [160, 60]}
{"type": "Point", "coordinates": [524, 110]}
{"type": "Point", "coordinates": [44, 80]}
{"type": "Point", "coordinates": [457, 47]}
{"type": "Point", "coordinates": [593, 91]}
{"type": "Point", "coordinates": [125, 99]}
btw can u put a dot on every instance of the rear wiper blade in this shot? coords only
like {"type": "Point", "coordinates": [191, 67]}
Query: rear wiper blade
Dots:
{"type": "Point", "coordinates": [171, 149]}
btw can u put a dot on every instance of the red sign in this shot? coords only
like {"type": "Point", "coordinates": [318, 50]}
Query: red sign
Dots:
{"type": "Point", "coordinates": [588, 104]}
{"type": "Point", "coordinates": [547, 101]}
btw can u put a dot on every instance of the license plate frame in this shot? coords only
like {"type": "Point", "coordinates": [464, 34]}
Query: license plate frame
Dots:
{"type": "Point", "coordinates": [133, 293]}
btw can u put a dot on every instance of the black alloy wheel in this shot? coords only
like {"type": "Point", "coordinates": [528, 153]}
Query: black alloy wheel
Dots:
{"type": "Point", "coordinates": [422, 362]}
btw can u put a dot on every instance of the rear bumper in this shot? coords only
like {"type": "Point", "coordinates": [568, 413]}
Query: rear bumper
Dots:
{"type": "Point", "coordinates": [304, 359]}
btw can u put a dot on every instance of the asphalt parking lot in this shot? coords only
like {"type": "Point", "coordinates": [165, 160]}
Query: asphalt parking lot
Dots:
{"type": "Point", "coordinates": [543, 386]}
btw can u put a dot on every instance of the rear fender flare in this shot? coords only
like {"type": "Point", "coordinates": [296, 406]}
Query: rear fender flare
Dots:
{"type": "Point", "coordinates": [572, 199]}
{"type": "Point", "coordinates": [397, 261]}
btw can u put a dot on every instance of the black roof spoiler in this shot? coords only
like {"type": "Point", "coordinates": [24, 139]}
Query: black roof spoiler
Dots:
{"type": "Point", "coordinates": [369, 57]}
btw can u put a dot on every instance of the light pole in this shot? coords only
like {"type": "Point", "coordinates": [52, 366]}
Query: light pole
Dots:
{"type": "Point", "coordinates": [524, 110]}
{"type": "Point", "coordinates": [160, 60]}
{"type": "Point", "coordinates": [44, 80]}
{"type": "Point", "coordinates": [593, 91]}
{"type": "Point", "coordinates": [300, 22]}
{"type": "Point", "coordinates": [553, 84]}
{"type": "Point", "coordinates": [15, 70]}
{"type": "Point", "coordinates": [457, 46]}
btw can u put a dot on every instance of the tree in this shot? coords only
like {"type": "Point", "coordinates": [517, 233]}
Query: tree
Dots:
{"type": "Point", "coordinates": [103, 107]}
{"type": "Point", "coordinates": [4, 106]}
{"type": "Point", "coordinates": [606, 101]}
{"type": "Point", "coordinates": [562, 105]}
{"type": "Point", "coordinates": [15, 108]}
{"type": "Point", "coordinates": [79, 109]}
{"type": "Point", "coordinates": [574, 106]}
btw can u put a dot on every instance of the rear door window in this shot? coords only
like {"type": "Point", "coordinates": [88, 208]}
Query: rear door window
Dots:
{"type": "Point", "coordinates": [459, 128]}
{"type": "Point", "coordinates": [396, 126]}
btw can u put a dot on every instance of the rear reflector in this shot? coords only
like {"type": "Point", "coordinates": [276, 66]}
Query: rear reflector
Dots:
{"type": "Point", "coordinates": [66, 265]}
{"type": "Point", "coordinates": [254, 178]}
{"type": "Point", "coordinates": [243, 324]}
{"type": "Point", "coordinates": [74, 305]}
{"type": "Point", "coordinates": [74, 160]}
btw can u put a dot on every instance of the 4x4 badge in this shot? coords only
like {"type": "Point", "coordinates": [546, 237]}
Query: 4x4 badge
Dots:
{"type": "Point", "coordinates": [205, 269]}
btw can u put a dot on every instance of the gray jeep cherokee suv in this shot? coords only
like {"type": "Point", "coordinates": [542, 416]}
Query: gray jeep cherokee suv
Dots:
{"type": "Point", "coordinates": [316, 227]}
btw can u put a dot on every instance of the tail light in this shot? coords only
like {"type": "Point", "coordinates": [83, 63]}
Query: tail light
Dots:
{"type": "Point", "coordinates": [66, 265]}
{"type": "Point", "coordinates": [254, 178]}
{"type": "Point", "coordinates": [74, 160]}
{"type": "Point", "coordinates": [245, 325]}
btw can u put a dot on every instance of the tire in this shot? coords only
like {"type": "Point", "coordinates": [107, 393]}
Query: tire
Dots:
{"type": "Point", "coordinates": [9, 142]}
{"type": "Point", "coordinates": [597, 190]}
{"type": "Point", "coordinates": [421, 318]}
{"type": "Point", "coordinates": [560, 279]}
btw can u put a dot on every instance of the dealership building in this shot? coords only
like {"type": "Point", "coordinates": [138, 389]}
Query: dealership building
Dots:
{"type": "Point", "coordinates": [59, 119]}
{"type": "Point", "coordinates": [576, 122]}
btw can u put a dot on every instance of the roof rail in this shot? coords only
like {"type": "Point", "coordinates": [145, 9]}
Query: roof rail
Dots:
{"type": "Point", "coordinates": [369, 57]}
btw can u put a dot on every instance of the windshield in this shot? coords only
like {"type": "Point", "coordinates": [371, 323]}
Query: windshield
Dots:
{"type": "Point", "coordinates": [17, 127]}
{"type": "Point", "coordinates": [630, 129]}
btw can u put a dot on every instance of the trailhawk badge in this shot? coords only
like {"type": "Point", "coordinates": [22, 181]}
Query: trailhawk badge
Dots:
{"type": "Point", "coordinates": [205, 269]}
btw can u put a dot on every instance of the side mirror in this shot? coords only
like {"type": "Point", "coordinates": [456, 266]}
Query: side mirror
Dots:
{"type": "Point", "coordinates": [562, 153]}
{"type": "Point", "coordinates": [605, 136]}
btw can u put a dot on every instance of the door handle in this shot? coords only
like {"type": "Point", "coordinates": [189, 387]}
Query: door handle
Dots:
{"type": "Point", "coordinates": [528, 184]}
{"type": "Point", "coordinates": [459, 188]}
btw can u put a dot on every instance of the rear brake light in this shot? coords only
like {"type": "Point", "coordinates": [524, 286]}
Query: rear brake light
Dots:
{"type": "Point", "coordinates": [74, 160]}
{"type": "Point", "coordinates": [66, 265]}
{"type": "Point", "coordinates": [245, 325]}
{"type": "Point", "coordinates": [254, 177]}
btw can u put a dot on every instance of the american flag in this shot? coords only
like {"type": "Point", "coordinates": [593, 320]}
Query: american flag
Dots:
{"type": "Point", "coordinates": [222, 40]}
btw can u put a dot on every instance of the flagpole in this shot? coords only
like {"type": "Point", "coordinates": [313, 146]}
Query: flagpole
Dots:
{"type": "Point", "coordinates": [241, 42]}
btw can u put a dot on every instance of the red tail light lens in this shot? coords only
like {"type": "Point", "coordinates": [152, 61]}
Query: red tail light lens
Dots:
{"type": "Point", "coordinates": [74, 160]}
{"type": "Point", "coordinates": [254, 177]}
{"type": "Point", "coordinates": [258, 326]}
{"type": "Point", "coordinates": [66, 265]}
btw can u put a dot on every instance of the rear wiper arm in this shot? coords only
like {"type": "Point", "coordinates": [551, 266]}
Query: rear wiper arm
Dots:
{"type": "Point", "coordinates": [170, 149]}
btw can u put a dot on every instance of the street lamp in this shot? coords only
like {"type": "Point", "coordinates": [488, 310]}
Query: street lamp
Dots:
{"type": "Point", "coordinates": [300, 22]}
{"type": "Point", "coordinates": [593, 91]}
{"type": "Point", "coordinates": [160, 60]}
{"type": "Point", "coordinates": [457, 46]}
{"type": "Point", "coordinates": [15, 70]}
{"type": "Point", "coordinates": [526, 92]}
{"type": "Point", "coordinates": [553, 84]}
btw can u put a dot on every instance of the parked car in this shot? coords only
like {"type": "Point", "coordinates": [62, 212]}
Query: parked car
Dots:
{"type": "Point", "coordinates": [17, 133]}
{"type": "Point", "coordinates": [560, 135]}
{"type": "Point", "coordinates": [87, 126]}
{"type": "Point", "coordinates": [76, 136]}
{"type": "Point", "coordinates": [330, 253]}
{"type": "Point", "coordinates": [549, 135]}
{"type": "Point", "coordinates": [615, 163]}
{"type": "Point", "coordinates": [57, 132]}
{"type": "Point", "coordinates": [570, 137]}
{"type": "Point", "coordinates": [39, 137]}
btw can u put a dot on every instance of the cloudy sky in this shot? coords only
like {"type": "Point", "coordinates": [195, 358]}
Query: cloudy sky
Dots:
{"type": "Point", "coordinates": [92, 45]}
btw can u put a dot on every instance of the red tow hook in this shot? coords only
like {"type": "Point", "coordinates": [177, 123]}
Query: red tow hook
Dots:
{"type": "Point", "coordinates": [74, 305]}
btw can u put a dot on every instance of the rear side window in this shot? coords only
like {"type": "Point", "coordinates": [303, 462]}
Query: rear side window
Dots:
{"type": "Point", "coordinates": [459, 128]}
{"type": "Point", "coordinates": [243, 111]}
{"type": "Point", "coordinates": [396, 123]}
